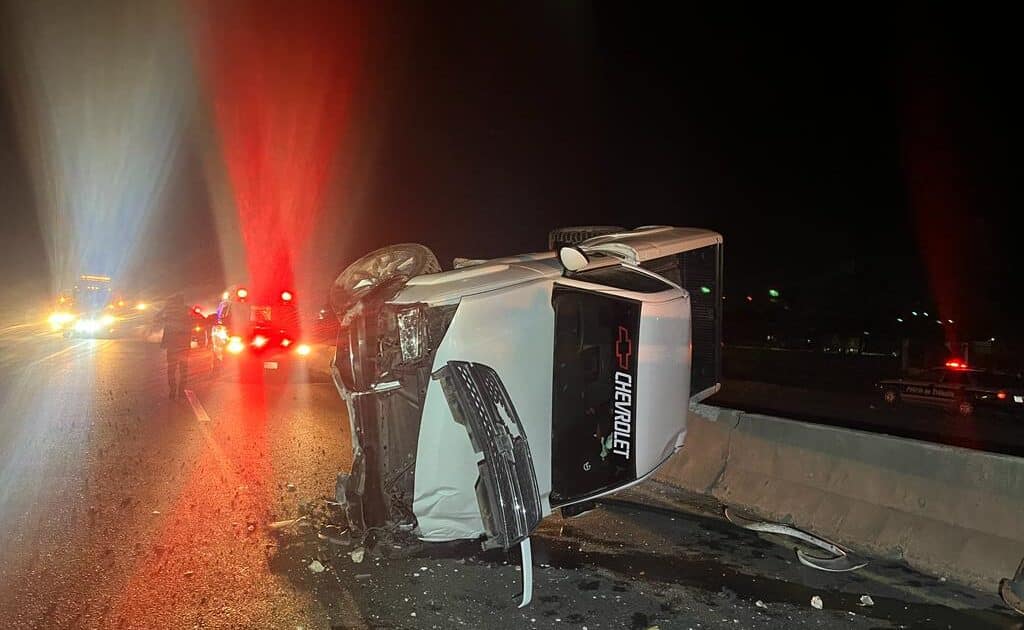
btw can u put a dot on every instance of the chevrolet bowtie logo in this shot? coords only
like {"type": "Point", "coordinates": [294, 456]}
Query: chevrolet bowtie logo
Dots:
{"type": "Point", "coordinates": [623, 348]}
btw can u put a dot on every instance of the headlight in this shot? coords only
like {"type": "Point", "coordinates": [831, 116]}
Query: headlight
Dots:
{"type": "Point", "coordinates": [58, 319]}
{"type": "Point", "coordinates": [107, 320]}
{"type": "Point", "coordinates": [302, 349]}
{"type": "Point", "coordinates": [235, 345]}
{"type": "Point", "coordinates": [412, 334]}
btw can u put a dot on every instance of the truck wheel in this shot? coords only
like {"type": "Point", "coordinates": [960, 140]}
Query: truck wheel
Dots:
{"type": "Point", "coordinates": [890, 397]}
{"type": "Point", "coordinates": [564, 237]}
{"type": "Point", "coordinates": [406, 260]}
{"type": "Point", "coordinates": [965, 408]}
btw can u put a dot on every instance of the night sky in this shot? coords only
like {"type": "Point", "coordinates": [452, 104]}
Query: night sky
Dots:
{"type": "Point", "coordinates": [858, 159]}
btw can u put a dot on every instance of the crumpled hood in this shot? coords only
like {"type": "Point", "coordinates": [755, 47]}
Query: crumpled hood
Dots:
{"type": "Point", "coordinates": [514, 336]}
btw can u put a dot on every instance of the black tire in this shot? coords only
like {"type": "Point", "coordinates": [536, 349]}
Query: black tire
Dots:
{"type": "Point", "coordinates": [566, 236]}
{"type": "Point", "coordinates": [891, 397]}
{"type": "Point", "coordinates": [406, 260]}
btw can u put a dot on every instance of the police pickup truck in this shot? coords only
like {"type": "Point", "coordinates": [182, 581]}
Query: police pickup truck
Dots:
{"type": "Point", "coordinates": [957, 387]}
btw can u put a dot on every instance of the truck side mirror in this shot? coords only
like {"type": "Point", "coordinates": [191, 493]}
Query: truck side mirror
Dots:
{"type": "Point", "coordinates": [572, 258]}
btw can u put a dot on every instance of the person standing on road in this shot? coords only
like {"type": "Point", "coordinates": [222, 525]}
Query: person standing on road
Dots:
{"type": "Point", "coordinates": [177, 338]}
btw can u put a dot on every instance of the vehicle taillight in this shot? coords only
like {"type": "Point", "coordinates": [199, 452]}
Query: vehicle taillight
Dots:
{"type": "Point", "coordinates": [956, 364]}
{"type": "Point", "coordinates": [1001, 395]}
{"type": "Point", "coordinates": [259, 341]}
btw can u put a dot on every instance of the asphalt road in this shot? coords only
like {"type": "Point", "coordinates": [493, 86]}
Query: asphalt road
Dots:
{"type": "Point", "coordinates": [122, 509]}
{"type": "Point", "coordinates": [985, 430]}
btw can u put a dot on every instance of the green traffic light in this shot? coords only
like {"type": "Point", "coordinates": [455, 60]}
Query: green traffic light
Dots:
{"type": "Point", "coordinates": [705, 290]}
{"type": "Point", "coordinates": [773, 293]}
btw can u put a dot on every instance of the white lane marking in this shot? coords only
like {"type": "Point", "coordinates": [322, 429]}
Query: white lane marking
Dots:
{"type": "Point", "coordinates": [197, 406]}
{"type": "Point", "coordinates": [59, 353]}
{"type": "Point", "coordinates": [10, 329]}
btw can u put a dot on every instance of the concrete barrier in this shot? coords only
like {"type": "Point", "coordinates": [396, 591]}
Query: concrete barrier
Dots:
{"type": "Point", "coordinates": [944, 510]}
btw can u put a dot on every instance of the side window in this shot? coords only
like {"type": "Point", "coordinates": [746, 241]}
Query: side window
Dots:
{"type": "Point", "coordinates": [621, 277]}
{"type": "Point", "coordinates": [954, 378]}
{"type": "Point", "coordinates": [667, 267]}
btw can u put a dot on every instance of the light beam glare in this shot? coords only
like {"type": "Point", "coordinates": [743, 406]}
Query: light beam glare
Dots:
{"type": "Point", "coordinates": [101, 104]}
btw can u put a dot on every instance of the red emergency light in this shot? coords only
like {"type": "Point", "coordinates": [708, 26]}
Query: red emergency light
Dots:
{"type": "Point", "coordinates": [197, 309]}
{"type": "Point", "coordinates": [956, 364]}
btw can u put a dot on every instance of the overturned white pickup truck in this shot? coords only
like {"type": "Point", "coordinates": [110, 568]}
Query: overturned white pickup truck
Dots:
{"type": "Point", "coordinates": [483, 398]}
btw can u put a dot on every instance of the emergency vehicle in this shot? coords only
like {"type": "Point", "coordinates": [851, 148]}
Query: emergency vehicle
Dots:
{"type": "Point", "coordinates": [957, 387]}
{"type": "Point", "coordinates": [257, 336]}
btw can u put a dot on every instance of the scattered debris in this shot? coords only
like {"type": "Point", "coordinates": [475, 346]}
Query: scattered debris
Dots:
{"type": "Point", "coordinates": [357, 555]}
{"type": "Point", "coordinates": [817, 603]}
{"type": "Point", "coordinates": [316, 567]}
{"type": "Point", "coordinates": [841, 562]}
{"type": "Point", "coordinates": [1012, 591]}
{"type": "Point", "coordinates": [865, 600]}
{"type": "Point", "coordinates": [189, 573]}
{"type": "Point", "coordinates": [290, 487]}
{"type": "Point", "coordinates": [760, 604]}
{"type": "Point", "coordinates": [285, 523]}
{"type": "Point", "coordinates": [156, 512]}
{"type": "Point", "coordinates": [335, 535]}
{"type": "Point", "coordinates": [362, 576]}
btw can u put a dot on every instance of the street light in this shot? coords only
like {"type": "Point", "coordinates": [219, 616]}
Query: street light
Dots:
{"type": "Point", "coordinates": [899, 319]}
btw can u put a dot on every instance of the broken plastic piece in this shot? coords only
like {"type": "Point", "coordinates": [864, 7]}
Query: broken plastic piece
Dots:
{"type": "Point", "coordinates": [1012, 591]}
{"type": "Point", "coordinates": [285, 523]}
{"type": "Point", "coordinates": [357, 555]}
{"type": "Point", "coordinates": [527, 553]}
{"type": "Point", "coordinates": [838, 564]}
{"type": "Point", "coordinates": [842, 562]}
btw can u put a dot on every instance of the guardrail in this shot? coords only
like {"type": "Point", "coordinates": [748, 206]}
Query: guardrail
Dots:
{"type": "Point", "coordinates": [945, 510]}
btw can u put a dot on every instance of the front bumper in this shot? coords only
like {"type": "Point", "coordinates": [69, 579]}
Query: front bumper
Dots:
{"type": "Point", "coordinates": [507, 492]}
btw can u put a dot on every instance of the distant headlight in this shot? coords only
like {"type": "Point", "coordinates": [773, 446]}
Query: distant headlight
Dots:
{"type": "Point", "coordinates": [302, 349]}
{"type": "Point", "coordinates": [107, 320]}
{"type": "Point", "coordinates": [58, 319]}
{"type": "Point", "coordinates": [235, 345]}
